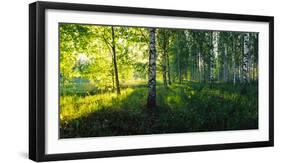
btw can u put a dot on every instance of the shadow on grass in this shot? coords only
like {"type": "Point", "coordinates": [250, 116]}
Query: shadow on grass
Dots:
{"type": "Point", "coordinates": [180, 108]}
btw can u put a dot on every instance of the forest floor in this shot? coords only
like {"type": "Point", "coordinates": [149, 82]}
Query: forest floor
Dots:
{"type": "Point", "coordinates": [188, 107]}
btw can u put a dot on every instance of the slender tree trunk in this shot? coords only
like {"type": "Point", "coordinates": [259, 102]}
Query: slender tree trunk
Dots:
{"type": "Point", "coordinates": [245, 58]}
{"type": "Point", "coordinates": [257, 59]}
{"type": "Point", "coordinates": [253, 69]}
{"type": "Point", "coordinates": [225, 63]}
{"type": "Point", "coordinates": [179, 66]}
{"type": "Point", "coordinates": [255, 72]}
{"type": "Point", "coordinates": [205, 69]}
{"type": "Point", "coordinates": [169, 71]}
{"type": "Point", "coordinates": [164, 74]}
{"type": "Point", "coordinates": [241, 49]}
{"type": "Point", "coordinates": [185, 71]}
{"type": "Point", "coordinates": [213, 51]}
{"type": "Point", "coordinates": [114, 61]}
{"type": "Point", "coordinates": [251, 58]}
{"type": "Point", "coordinates": [219, 67]}
{"type": "Point", "coordinates": [199, 65]}
{"type": "Point", "coordinates": [233, 61]}
{"type": "Point", "coordinates": [239, 73]}
{"type": "Point", "coordinates": [219, 54]}
{"type": "Point", "coordinates": [151, 100]}
{"type": "Point", "coordinates": [192, 68]}
{"type": "Point", "coordinates": [249, 67]}
{"type": "Point", "coordinates": [211, 67]}
{"type": "Point", "coordinates": [164, 61]}
{"type": "Point", "coordinates": [112, 74]}
{"type": "Point", "coordinates": [219, 74]}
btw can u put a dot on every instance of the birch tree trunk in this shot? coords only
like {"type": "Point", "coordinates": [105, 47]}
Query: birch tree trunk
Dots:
{"type": "Point", "coordinates": [233, 60]}
{"type": "Point", "coordinates": [179, 66]}
{"type": "Point", "coordinates": [249, 66]}
{"type": "Point", "coordinates": [240, 66]}
{"type": "Point", "coordinates": [169, 71]}
{"type": "Point", "coordinates": [239, 73]}
{"type": "Point", "coordinates": [225, 63]}
{"type": "Point", "coordinates": [114, 61]}
{"type": "Point", "coordinates": [253, 68]}
{"type": "Point", "coordinates": [213, 51]}
{"type": "Point", "coordinates": [199, 65]}
{"type": "Point", "coordinates": [112, 74]}
{"type": "Point", "coordinates": [192, 68]}
{"type": "Point", "coordinates": [245, 58]}
{"type": "Point", "coordinates": [151, 100]}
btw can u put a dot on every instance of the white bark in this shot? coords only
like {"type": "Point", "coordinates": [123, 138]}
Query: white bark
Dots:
{"type": "Point", "coordinates": [213, 54]}
{"type": "Point", "coordinates": [225, 63]}
{"type": "Point", "coordinates": [245, 58]}
{"type": "Point", "coordinates": [151, 100]}
{"type": "Point", "coordinates": [233, 60]}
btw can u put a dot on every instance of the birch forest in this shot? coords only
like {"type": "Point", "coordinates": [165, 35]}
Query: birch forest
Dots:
{"type": "Point", "coordinates": [117, 80]}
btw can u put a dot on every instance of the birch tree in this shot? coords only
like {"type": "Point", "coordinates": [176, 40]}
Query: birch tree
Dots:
{"type": "Point", "coordinates": [245, 59]}
{"type": "Point", "coordinates": [114, 61]}
{"type": "Point", "coordinates": [233, 58]}
{"type": "Point", "coordinates": [168, 69]}
{"type": "Point", "coordinates": [164, 44]}
{"type": "Point", "coordinates": [225, 63]}
{"type": "Point", "coordinates": [151, 100]}
{"type": "Point", "coordinates": [213, 53]}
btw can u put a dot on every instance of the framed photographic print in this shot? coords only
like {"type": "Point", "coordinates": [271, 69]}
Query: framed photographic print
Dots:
{"type": "Point", "coordinates": [118, 81]}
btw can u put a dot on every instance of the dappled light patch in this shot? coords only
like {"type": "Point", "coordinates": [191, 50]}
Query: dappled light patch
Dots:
{"type": "Point", "coordinates": [72, 107]}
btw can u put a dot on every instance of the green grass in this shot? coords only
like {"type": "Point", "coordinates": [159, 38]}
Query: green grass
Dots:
{"type": "Point", "coordinates": [189, 107]}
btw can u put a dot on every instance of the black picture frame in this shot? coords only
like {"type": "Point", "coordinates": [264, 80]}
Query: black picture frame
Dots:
{"type": "Point", "coordinates": [37, 80]}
